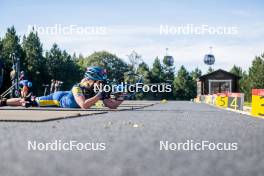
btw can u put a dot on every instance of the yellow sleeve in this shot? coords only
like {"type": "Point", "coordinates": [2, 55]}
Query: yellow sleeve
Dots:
{"type": "Point", "coordinates": [77, 91]}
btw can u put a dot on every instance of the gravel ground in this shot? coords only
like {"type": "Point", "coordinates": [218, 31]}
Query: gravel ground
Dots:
{"type": "Point", "coordinates": [132, 142]}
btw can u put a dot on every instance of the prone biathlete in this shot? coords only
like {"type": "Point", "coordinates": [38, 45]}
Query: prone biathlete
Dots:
{"type": "Point", "coordinates": [24, 86]}
{"type": "Point", "coordinates": [81, 95]}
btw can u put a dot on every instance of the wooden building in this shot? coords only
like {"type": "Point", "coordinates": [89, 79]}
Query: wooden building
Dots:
{"type": "Point", "coordinates": [218, 81]}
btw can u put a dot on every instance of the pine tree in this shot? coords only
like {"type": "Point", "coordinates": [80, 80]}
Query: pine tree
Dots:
{"type": "Point", "coordinates": [196, 73]}
{"type": "Point", "coordinates": [237, 71]}
{"type": "Point", "coordinates": [157, 72]}
{"type": "Point", "coordinates": [183, 85]}
{"type": "Point", "coordinates": [60, 66]}
{"type": "Point", "coordinates": [244, 82]}
{"type": "Point", "coordinates": [1, 48]}
{"type": "Point", "coordinates": [168, 69]}
{"type": "Point", "coordinates": [143, 70]}
{"type": "Point", "coordinates": [256, 73]}
{"type": "Point", "coordinates": [34, 62]}
{"type": "Point", "coordinates": [10, 44]}
{"type": "Point", "coordinates": [244, 85]}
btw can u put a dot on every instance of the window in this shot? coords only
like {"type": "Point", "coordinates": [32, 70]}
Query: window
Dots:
{"type": "Point", "coordinates": [220, 86]}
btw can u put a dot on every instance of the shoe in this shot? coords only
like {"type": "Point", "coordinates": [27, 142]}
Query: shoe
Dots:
{"type": "Point", "coordinates": [3, 102]}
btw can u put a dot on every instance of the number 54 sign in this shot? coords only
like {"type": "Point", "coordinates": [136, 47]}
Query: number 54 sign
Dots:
{"type": "Point", "coordinates": [230, 100]}
{"type": "Point", "coordinates": [258, 102]}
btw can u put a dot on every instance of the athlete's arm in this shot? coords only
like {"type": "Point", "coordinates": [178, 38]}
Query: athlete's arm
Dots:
{"type": "Point", "coordinates": [86, 104]}
{"type": "Point", "coordinates": [24, 91]}
{"type": "Point", "coordinates": [81, 101]}
{"type": "Point", "coordinates": [112, 103]}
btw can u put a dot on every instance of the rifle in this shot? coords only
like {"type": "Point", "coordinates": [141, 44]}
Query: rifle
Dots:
{"type": "Point", "coordinates": [122, 89]}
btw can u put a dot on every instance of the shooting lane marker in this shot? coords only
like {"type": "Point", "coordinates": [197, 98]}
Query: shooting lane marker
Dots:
{"type": "Point", "coordinates": [236, 101]}
{"type": "Point", "coordinates": [222, 100]}
{"type": "Point", "coordinates": [229, 101]}
{"type": "Point", "coordinates": [258, 103]}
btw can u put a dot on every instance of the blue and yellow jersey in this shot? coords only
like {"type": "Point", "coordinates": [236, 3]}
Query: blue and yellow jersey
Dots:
{"type": "Point", "coordinates": [65, 99]}
{"type": "Point", "coordinates": [81, 90]}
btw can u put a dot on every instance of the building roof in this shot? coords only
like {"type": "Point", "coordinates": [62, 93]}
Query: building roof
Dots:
{"type": "Point", "coordinates": [217, 71]}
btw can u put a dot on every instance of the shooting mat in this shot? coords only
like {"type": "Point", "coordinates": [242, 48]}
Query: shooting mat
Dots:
{"type": "Point", "coordinates": [126, 105]}
{"type": "Point", "coordinates": [39, 114]}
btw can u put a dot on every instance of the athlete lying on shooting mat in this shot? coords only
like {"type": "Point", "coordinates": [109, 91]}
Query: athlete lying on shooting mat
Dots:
{"type": "Point", "coordinates": [81, 95]}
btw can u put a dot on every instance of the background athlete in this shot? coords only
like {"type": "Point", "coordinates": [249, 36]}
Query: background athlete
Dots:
{"type": "Point", "coordinates": [24, 86]}
{"type": "Point", "coordinates": [81, 95]}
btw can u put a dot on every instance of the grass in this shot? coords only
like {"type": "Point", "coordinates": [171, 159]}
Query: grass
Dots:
{"type": "Point", "coordinates": [246, 103]}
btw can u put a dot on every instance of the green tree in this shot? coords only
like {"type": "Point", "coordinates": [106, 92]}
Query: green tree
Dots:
{"type": "Point", "coordinates": [196, 73]}
{"type": "Point", "coordinates": [244, 85]}
{"type": "Point", "coordinates": [1, 71]}
{"type": "Point", "coordinates": [157, 72]}
{"type": "Point", "coordinates": [1, 48]}
{"type": "Point", "coordinates": [61, 66]}
{"type": "Point", "coordinates": [34, 62]}
{"type": "Point", "coordinates": [183, 85]}
{"type": "Point", "coordinates": [10, 44]}
{"type": "Point", "coordinates": [237, 70]}
{"type": "Point", "coordinates": [253, 79]}
{"type": "Point", "coordinates": [81, 61]}
{"type": "Point", "coordinates": [54, 62]}
{"type": "Point", "coordinates": [244, 82]}
{"type": "Point", "coordinates": [256, 73]}
{"type": "Point", "coordinates": [115, 66]}
{"type": "Point", "coordinates": [168, 69]}
{"type": "Point", "coordinates": [144, 71]}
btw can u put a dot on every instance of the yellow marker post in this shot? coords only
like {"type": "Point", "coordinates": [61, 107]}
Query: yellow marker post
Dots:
{"type": "Point", "coordinates": [222, 100]}
{"type": "Point", "coordinates": [257, 103]}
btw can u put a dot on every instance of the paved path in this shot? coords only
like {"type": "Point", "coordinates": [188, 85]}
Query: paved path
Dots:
{"type": "Point", "coordinates": [132, 140]}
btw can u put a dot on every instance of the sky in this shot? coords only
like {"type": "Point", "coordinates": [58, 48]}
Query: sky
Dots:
{"type": "Point", "coordinates": [148, 27]}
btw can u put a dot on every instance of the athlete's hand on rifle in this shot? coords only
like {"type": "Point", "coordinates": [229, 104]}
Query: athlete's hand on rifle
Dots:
{"type": "Point", "coordinates": [119, 96]}
{"type": "Point", "coordinates": [24, 102]}
{"type": "Point", "coordinates": [104, 95]}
